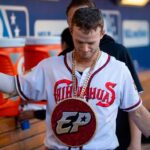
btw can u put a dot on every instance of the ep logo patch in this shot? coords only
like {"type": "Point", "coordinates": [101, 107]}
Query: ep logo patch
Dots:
{"type": "Point", "coordinates": [71, 119]}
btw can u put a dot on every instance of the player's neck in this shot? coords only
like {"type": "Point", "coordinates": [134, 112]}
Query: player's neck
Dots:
{"type": "Point", "coordinates": [82, 64]}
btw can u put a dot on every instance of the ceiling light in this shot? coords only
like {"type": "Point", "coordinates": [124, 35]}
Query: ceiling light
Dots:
{"type": "Point", "coordinates": [134, 2]}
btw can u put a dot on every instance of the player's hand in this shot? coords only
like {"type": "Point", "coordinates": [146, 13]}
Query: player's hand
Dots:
{"type": "Point", "coordinates": [134, 147]}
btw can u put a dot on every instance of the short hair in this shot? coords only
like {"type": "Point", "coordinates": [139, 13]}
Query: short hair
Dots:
{"type": "Point", "coordinates": [67, 38]}
{"type": "Point", "coordinates": [77, 3]}
{"type": "Point", "coordinates": [87, 19]}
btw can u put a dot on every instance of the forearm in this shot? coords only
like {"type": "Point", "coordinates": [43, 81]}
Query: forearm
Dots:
{"type": "Point", "coordinates": [135, 133]}
{"type": "Point", "coordinates": [7, 84]}
{"type": "Point", "coordinates": [141, 117]}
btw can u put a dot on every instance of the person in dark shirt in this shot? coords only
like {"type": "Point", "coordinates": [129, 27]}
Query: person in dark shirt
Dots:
{"type": "Point", "coordinates": [66, 39]}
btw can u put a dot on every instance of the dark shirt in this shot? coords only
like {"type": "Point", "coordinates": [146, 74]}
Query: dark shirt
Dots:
{"type": "Point", "coordinates": [40, 114]}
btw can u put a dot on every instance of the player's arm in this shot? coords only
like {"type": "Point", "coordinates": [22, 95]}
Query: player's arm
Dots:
{"type": "Point", "coordinates": [135, 133]}
{"type": "Point", "coordinates": [141, 117]}
{"type": "Point", "coordinates": [135, 142]}
{"type": "Point", "coordinates": [7, 84]}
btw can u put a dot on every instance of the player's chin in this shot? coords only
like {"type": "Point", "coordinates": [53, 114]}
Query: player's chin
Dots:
{"type": "Point", "coordinates": [86, 56]}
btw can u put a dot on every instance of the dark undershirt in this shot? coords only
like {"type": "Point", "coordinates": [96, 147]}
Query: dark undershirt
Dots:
{"type": "Point", "coordinates": [80, 73]}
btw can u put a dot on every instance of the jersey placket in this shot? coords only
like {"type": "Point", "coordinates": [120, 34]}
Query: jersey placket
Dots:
{"type": "Point", "coordinates": [81, 78]}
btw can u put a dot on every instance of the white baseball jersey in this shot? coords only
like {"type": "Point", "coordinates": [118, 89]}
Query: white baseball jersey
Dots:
{"type": "Point", "coordinates": [110, 86]}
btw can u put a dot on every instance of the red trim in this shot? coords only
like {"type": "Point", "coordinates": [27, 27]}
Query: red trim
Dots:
{"type": "Point", "coordinates": [19, 88]}
{"type": "Point", "coordinates": [65, 61]}
{"type": "Point", "coordinates": [133, 105]}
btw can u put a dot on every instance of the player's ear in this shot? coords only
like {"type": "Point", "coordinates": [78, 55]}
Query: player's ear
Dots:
{"type": "Point", "coordinates": [71, 30]}
{"type": "Point", "coordinates": [102, 32]}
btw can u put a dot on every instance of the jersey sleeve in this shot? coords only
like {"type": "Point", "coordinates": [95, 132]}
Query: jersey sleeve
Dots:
{"type": "Point", "coordinates": [32, 85]}
{"type": "Point", "coordinates": [130, 99]}
{"type": "Point", "coordinates": [126, 58]}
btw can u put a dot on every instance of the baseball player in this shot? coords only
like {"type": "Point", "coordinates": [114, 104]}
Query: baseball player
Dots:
{"type": "Point", "coordinates": [128, 134]}
{"type": "Point", "coordinates": [107, 44]}
{"type": "Point", "coordinates": [84, 89]}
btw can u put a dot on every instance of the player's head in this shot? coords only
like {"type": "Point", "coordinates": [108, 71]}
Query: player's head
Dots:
{"type": "Point", "coordinates": [66, 39]}
{"type": "Point", "coordinates": [76, 4]}
{"type": "Point", "coordinates": [87, 19]}
{"type": "Point", "coordinates": [87, 31]}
